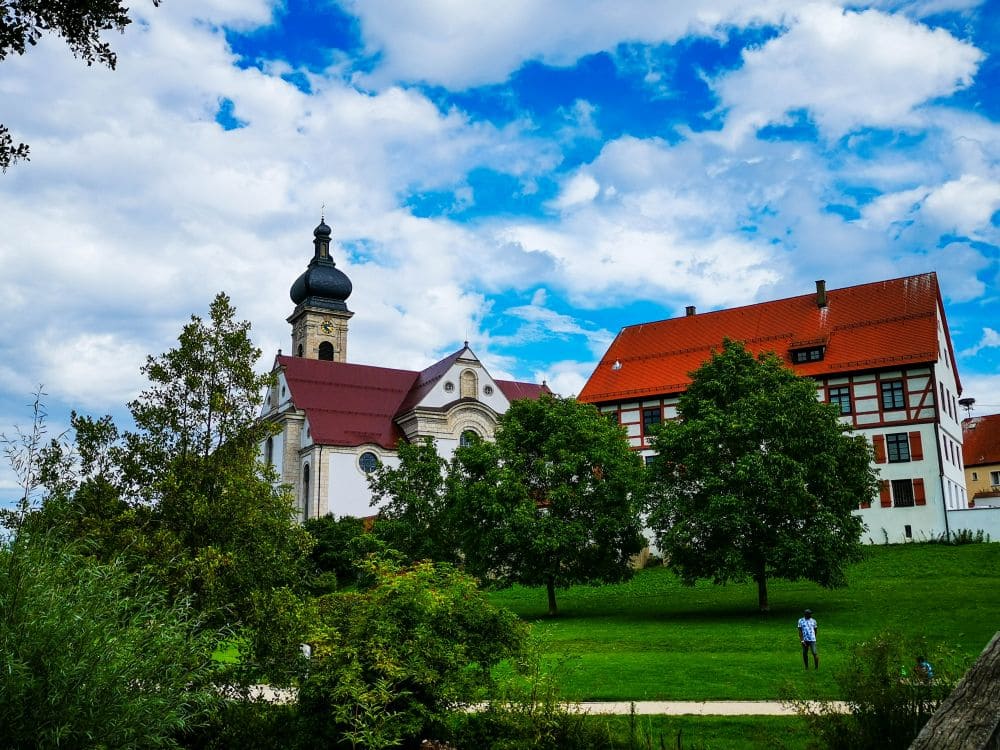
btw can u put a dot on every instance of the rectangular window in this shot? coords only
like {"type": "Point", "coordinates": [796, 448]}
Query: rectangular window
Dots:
{"type": "Point", "coordinates": [808, 355]}
{"type": "Point", "coordinates": [892, 394]}
{"type": "Point", "coordinates": [975, 476]}
{"type": "Point", "coordinates": [841, 397]}
{"type": "Point", "coordinates": [651, 417]}
{"type": "Point", "coordinates": [612, 416]}
{"type": "Point", "coordinates": [648, 460]}
{"type": "Point", "coordinates": [995, 477]}
{"type": "Point", "coordinates": [902, 493]}
{"type": "Point", "coordinates": [897, 447]}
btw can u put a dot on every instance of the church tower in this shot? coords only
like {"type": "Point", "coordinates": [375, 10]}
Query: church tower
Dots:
{"type": "Point", "coordinates": [319, 321]}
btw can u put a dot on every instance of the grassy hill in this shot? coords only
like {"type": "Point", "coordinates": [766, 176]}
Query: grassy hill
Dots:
{"type": "Point", "coordinates": [655, 639]}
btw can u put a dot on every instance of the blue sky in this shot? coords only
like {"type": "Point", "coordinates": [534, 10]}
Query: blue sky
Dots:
{"type": "Point", "coordinates": [527, 175]}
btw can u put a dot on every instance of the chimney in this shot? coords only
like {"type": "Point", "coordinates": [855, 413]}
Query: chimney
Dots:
{"type": "Point", "coordinates": [689, 310]}
{"type": "Point", "coordinates": [820, 293]}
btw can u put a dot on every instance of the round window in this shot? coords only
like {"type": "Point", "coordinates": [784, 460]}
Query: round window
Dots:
{"type": "Point", "coordinates": [449, 387]}
{"type": "Point", "coordinates": [488, 390]}
{"type": "Point", "coordinates": [368, 462]}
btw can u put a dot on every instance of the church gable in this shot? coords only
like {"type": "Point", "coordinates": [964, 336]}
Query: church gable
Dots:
{"type": "Point", "coordinates": [457, 377]}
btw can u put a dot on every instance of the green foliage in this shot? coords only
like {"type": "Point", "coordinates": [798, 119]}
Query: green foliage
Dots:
{"type": "Point", "coordinates": [92, 656]}
{"type": "Point", "coordinates": [183, 498]}
{"type": "Point", "coordinates": [415, 517]}
{"type": "Point", "coordinates": [390, 661]}
{"type": "Point", "coordinates": [757, 479]}
{"type": "Point", "coordinates": [525, 710]}
{"type": "Point", "coordinates": [339, 544]}
{"type": "Point", "coordinates": [554, 501]}
{"type": "Point", "coordinates": [962, 536]}
{"type": "Point", "coordinates": [889, 700]}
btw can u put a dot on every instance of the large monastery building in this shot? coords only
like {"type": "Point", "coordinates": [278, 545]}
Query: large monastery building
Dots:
{"type": "Point", "coordinates": [880, 351]}
{"type": "Point", "coordinates": [340, 420]}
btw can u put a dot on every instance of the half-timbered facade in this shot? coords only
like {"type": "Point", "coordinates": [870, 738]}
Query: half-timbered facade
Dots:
{"type": "Point", "coordinates": [881, 352]}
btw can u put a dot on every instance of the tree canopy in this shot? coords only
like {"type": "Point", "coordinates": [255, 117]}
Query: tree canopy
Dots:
{"type": "Point", "coordinates": [79, 23]}
{"type": "Point", "coordinates": [554, 501]}
{"type": "Point", "coordinates": [757, 479]}
{"type": "Point", "coordinates": [184, 497]}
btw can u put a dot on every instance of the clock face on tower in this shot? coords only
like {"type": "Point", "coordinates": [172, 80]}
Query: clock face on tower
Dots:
{"type": "Point", "coordinates": [326, 326]}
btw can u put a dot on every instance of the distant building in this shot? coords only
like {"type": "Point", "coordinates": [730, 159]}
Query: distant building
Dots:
{"type": "Point", "coordinates": [981, 449]}
{"type": "Point", "coordinates": [880, 351]}
{"type": "Point", "coordinates": [340, 420]}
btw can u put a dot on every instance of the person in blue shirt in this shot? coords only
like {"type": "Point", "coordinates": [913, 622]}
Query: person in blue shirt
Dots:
{"type": "Point", "coordinates": [807, 636]}
{"type": "Point", "coordinates": [923, 669]}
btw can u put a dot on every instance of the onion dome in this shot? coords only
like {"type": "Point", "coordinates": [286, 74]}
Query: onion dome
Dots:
{"type": "Point", "coordinates": [322, 284]}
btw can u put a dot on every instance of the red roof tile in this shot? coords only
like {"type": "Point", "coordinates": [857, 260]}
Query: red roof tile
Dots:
{"type": "Point", "coordinates": [348, 404]}
{"type": "Point", "coordinates": [883, 324]}
{"type": "Point", "coordinates": [351, 405]}
{"type": "Point", "coordinates": [981, 440]}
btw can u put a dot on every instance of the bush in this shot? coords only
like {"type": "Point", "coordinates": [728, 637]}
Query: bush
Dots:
{"type": "Point", "coordinates": [390, 662]}
{"type": "Point", "coordinates": [889, 701]}
{"type": "Point", "coordinates": [92, 656]}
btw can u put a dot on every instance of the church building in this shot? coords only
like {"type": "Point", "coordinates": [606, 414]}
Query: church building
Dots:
{"type": "Point", "coordinates": [340, 420]}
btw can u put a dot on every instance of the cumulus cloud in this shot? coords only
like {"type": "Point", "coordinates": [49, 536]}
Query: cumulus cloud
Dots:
{"type": "Point", "coordinates": [460, 44]}
{"type": "Point", "coordinates": [846, 69]}
{"type": "Point", "coordinates": [989, 340]}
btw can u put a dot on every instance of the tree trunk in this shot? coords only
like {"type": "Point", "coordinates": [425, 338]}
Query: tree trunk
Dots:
{"type": "Point", "coordinates": [550, 584]}
{"type": "Point", "coordinates": [762, 592]}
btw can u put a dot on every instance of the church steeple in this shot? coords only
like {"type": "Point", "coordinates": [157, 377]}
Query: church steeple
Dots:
{"type": "Point", "coordinates": [319, 321]}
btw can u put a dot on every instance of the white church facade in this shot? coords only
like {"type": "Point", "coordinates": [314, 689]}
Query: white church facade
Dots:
{"type": "Point", "coordinates": [339, 420]}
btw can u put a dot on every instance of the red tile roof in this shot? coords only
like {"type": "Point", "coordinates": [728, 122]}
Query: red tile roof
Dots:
{"type": "Point", "coordinates": [883, 324]}
{"type": "Point", "coordinates": [351, 405]}
{"type": "Point", "coordinates": [348, 404]}
{"type": "Point", "coordinates": [981, 440]}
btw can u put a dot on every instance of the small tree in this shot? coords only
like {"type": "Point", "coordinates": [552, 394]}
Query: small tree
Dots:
{"type": "Point", "coordinates": [414, 514]}
{"type": "Point", "coordinates": [553, 502]}
{"type": "Point", "coordinates": [391, 661]}
{"type": "Point", "coordinates": [757, 479]}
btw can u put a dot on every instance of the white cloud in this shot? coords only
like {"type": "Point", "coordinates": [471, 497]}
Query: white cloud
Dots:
{"type": "Point", "coordinates": [580, 188]}
{"type": "Point", "coordinates": [847, 69]}
{"type": "Point", "coordinates": [461, 44]}
{"type": "Point", "coordinates": [990, 339]}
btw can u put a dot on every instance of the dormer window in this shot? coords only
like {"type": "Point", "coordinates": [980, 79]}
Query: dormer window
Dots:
{"type": "Point", "coordinates": [812, 354]}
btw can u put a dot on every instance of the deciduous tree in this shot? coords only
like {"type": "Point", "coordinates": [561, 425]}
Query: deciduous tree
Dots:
{"type": "Point", "coordinates": [757, 479]}
{"type": "Point", "coordinates": [554, 501]}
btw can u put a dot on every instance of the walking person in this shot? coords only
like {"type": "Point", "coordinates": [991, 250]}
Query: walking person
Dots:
{"type": "Point", "coordinates": [807, 636]}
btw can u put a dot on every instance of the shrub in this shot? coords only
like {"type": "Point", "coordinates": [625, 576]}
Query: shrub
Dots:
{"type": "Point", "coordinates": [389, 662]}
{"type": "Point", "coordinates": [92, 656]}
{"type": "Point", "coordinates": [889, 701]}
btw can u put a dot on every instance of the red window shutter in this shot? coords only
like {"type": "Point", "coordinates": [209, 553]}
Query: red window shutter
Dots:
{"type": "Point", "coordinates": [866, 504]}
{"type": "Point", "coordinates": [919, 498]}
{"type": "Point", "coordinates": [884, 496]}
{"type": "Point", "coordinates": [916, 447]}
{"type": "Point", "coordinates": [879, 442]}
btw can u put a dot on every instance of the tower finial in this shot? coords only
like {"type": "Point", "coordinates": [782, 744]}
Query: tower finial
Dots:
{"type": "Point", "coordinates": [322, 213]}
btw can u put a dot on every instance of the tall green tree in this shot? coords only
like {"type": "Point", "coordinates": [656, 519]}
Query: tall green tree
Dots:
{"type": "Point", "coordinates": [415, 515]}
{"type": "Point", "coordinates": [184, 497]}
{"type": "Point", "coordinates": [757, 479]}
{"type": "Point", "coordinates": [554, 501]}
{"type": "Point", "coordinates": [79, 23]}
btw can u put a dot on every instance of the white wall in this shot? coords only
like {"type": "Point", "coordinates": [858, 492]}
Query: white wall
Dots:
{"type": "Point", "coordinates": [347, 492]}
{"type": "Point", "coordinates": [976, 519]}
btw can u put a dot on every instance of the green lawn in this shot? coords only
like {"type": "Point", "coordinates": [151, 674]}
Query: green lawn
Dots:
{"type": "Point", "coordinates": [652, 638]}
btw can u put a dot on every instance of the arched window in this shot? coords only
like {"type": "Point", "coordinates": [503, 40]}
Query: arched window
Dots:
{"type": "Point", "coordinates": [326, 351]}
{"type": "Point", "coordinates": [300, 350]}
{"type": "Point", "coordinates": [468, 384]}
{"type": "Point", "coordinates": [305, 491]}
{"type": "Point", "coordinates": [269, 452]}
{"type": "Point", "coordinates": [468, 438]}
{"type": "Point", "coordinates": [368, 462]}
